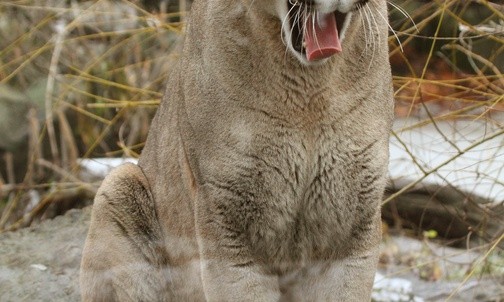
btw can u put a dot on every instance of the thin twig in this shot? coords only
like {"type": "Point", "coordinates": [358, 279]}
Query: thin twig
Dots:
{"type": "Point", "coordinates": [64, 174]}
{"type": "Point", "coordinates": [469, 275]}
{"type": "Point", "coordinates": [53, 72]}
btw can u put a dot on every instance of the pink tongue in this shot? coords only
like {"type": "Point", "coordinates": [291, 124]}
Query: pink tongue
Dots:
{"type": "Point", "coordinates": [321, 38]}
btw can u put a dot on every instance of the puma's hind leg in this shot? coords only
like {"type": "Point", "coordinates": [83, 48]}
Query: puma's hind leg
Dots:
{"type": "Point", "coordinates": [124, 257]}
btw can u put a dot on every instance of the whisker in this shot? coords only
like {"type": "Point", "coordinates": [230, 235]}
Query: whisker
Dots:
{"type": "Point", "coordinates": [372, 38]}
{"type": "Point", "coordinates": [375, 22]}
{"type": "Point", "coordinates": [391, 29]}
{"type": "Point", "coordinates": [363, 24]}
{"type": "Point", "coordinates": [285, 22]}
{"type": "Point", "coordinates": [295, 16]}
{"type": "Point", "coordinates": [250, 6]}
{"type": "Point", "coordinates": [315, 17]}
{"type": "Point", "coordinates": [405, 13]}
{"type": "Point", "coordinates": [375, 43]}
{"type": "Point", "coordinates": [304, 15]}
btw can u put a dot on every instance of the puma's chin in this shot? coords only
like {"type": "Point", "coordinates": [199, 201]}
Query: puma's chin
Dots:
{"type": "Point", "coordinates": [314, 30]}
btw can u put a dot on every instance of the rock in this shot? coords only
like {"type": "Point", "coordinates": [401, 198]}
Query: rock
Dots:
{"type": "Point", "coordinates": [14, 107]}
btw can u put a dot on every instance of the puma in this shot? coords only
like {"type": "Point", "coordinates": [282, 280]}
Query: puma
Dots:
{"type": "Point", "coordinates": [263, 172]}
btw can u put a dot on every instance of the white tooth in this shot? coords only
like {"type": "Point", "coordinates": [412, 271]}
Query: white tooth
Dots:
{"type": "Point", "coordinates": [321, 20]}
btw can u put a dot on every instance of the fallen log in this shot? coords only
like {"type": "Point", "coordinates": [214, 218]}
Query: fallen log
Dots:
{"type": "Point", "coordinates": [451, 212]}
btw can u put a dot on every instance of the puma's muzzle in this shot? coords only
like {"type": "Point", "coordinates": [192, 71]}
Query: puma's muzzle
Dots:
{"type": "Point", "coordinates": [314, 29]}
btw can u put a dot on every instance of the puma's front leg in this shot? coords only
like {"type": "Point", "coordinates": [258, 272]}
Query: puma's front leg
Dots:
{"type": "Point", "coordinates": [229, 270]}
{"type": "Point", "coordinates": [123, 258]}
{"type": "Point", "coordinates": [349, 279]}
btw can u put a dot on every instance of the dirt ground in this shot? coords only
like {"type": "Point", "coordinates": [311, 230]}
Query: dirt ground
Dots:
{"type": "Point", "coordinates": [41, 263]}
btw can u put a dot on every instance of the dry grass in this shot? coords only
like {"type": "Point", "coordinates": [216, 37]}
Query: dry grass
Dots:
{"type": "Point", "coordinates": [93, 74]}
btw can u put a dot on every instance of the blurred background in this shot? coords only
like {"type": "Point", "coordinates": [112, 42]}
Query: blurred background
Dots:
{"type": "Point", "coordinates": [81, 80]}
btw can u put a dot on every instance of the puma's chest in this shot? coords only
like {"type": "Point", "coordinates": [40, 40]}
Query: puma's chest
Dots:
{"type": "Point", "coordinates": [311, 191]}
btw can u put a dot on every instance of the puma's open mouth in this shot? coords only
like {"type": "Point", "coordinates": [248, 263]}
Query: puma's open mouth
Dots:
{"type": "Point", "coordinates": [313, 34]}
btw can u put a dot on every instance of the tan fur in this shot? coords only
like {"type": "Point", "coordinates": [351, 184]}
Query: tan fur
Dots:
{"type": "Point", "coordinates": [262, 176]}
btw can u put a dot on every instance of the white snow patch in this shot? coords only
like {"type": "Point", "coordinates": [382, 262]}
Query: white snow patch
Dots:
{"type": "Point", "coordinates": [100, 167]}
{"type": "Point", "coordinates": [393, 290]}
{"type": "Point", "coordinates": [478, 170]}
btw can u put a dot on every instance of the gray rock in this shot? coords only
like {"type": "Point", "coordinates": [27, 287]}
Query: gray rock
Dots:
{"type": "Point", "coordinates": [14, 107]}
